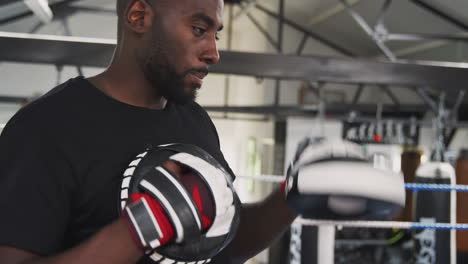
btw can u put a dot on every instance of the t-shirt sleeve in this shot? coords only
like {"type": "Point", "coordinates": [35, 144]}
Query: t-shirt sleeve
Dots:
{"type": "Point", "coordinates": [35, 194]}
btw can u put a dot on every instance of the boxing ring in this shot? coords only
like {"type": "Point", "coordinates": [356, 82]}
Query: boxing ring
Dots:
{"type": "Point", "coordinates": [327, 228]}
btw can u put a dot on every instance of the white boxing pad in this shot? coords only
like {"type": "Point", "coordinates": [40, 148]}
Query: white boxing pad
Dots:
{"type": "Point", "coordinates": [348, 178]}
{"type": "Point", "coordinates": [333, 179]}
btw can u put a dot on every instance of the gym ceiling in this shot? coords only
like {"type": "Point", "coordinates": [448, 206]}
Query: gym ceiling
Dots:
{"type": "Point", "coordinates": [370, 44]}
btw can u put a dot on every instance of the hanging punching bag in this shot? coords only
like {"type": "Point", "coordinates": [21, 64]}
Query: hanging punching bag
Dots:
{"type": "Point", "coordinates": [312, 244]}
{"type": "Point", "coordinates": [410, 161]}
{"type": "Point", "coordinates": [461, 169]}
{"type": "Point", "coordinates": [434, 246]}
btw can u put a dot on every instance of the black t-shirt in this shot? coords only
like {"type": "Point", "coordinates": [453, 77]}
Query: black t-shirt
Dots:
{"type": "Point", "coordinates": [62, 158]}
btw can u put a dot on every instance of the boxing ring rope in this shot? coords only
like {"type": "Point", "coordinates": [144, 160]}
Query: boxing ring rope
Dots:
{"type": "Point", "coordinates": [383, 224]}
{"type": "Point", "coordinates": [408, 186]}
{"type": "Point", "coordinates": [380, 224]}
{"type": "Point", "coordinates": [435, 187]}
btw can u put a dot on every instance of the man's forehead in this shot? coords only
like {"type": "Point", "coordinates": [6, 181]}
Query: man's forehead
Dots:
{"type": "Point", "coordinates": [211, 8]}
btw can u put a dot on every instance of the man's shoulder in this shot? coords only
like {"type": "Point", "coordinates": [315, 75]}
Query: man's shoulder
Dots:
{"type": "Point", "coordinates": [48, 109]}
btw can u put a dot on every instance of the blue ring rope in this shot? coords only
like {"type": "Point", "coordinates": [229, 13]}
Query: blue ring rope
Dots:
{"type": "Point", "coordinates": [439, 226]}
{"type": "Point", "coordinates": [435, 187]}
{"type": "Point", "coordinates": [384, 224]}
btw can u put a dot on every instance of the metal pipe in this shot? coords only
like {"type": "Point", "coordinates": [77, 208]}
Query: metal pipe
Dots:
{"type": "Point", "coordinates": [441, 14]}
{"type": "Point", "coordinates": [358, 93]}
{"type": "Point", "coordinates": [280, 25]}
{"type": "Point", "coordinates": [363, 24]}
{"type": "Point", "coordinates": [390, 94]}
{"type": "Point", "coordinates": [36, 27]}
{"type": "Point", "coordinates": [420, 48]}
{"type": "Point", "coordinates": [27, 12]}
{"type": "Point", "coordinates": [227, 78]}
{"type": "Point", "coordinates": [458, 102]}
{"type": "Point", "coordinates": [264, 32]}
{"type": "Point", "coordinates": [41, 9]}
{"type": "Point", "coordinates": [425, 96]}
{"type": "Point", "coordinates": [312, 111]}
{"type": "Point", "coordinates": [419, 37]}
{"type": "Point", "coordinates": [301, 46]}
{"type": "Point", "coordinates": [12, 99]}
{"type": "Point", "coordinates": [280, 48]}
{"type": "Point", "coordinates": [363, 109]}
{"type": "Point", "coordinates": [330, 12]}
{"type": "Point", "coordinates": [314, 88]}
{"type": "Point", "coordinates": [383, 12]}
{"type": "Point", "coordinates": [245, 7]}
{"type": "Point", "coordinates": [301, 29]}
{"type": "Point", "coordinates": [359, 20]}
{"type": "Point", "coordinates": [264, 119]}
{"type": "Point", "coordinates": [92, 52]}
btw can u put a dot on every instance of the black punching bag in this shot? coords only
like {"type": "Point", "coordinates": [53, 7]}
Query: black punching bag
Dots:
{"type": "Point", "coordinates": [434, 246]}
{"type": "Point", "coordinates": [312, 244]}
{"type": "Point", "coordinates": [461, 169]}
{"type": "Point", "coordinates": [410, 161]}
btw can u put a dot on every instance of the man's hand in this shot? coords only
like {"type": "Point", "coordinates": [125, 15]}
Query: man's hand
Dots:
{"type": "Point", "coordinates": [165, 210]}
{"type": "Point", "coordinates": [180, 197]}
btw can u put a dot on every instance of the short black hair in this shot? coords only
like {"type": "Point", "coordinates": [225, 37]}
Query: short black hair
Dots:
{"type": "Point", "coordinates": [121, 6]}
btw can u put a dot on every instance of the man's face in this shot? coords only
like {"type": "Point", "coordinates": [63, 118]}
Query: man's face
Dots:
{"type": "Point", "coordinates": [181, 47]}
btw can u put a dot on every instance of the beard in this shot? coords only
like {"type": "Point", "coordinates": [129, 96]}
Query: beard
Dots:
{"type": "Point", "coordinates": [164, 77]}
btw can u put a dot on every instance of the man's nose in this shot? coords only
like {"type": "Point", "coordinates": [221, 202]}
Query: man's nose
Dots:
{"type": "Point", "coordinates": [211, 54]}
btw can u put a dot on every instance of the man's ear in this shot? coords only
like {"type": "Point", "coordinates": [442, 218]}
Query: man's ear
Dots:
{"type": "Point", "coordinates": [139, 16]}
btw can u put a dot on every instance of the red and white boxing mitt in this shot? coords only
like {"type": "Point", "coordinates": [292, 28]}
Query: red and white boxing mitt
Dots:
{"type": "Point", "coordinates": [147, 216]}
{"type": "Point", "coordinates": [194, 216]}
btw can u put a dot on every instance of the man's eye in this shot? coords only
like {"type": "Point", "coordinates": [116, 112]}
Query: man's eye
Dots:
{"type": "Point", "coordinates": [199, 31]}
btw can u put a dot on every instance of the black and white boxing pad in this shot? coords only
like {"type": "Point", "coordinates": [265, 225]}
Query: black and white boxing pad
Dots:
{"type": "Point", "coordinates": [146, 174]}
{"type": "Point", "coordinates": [334, 180]}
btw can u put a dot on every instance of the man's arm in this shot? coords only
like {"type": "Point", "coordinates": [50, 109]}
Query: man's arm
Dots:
{"type": "Point", "coordinates": [113, 244]}
{"type": "Point", "coordinates": [260, 224]}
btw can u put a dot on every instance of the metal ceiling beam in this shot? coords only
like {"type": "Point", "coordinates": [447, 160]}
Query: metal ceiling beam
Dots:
{"type": "Point", "coordinates": [370, 31]}
{"type": "Point", "coordinates": [326, 42]}
{"type": "Point", "coordinates": [264, 32]}
{"type": "Point", "coordinates": [41, 9]}
{"type": "Point", "coordinates": [330, 109]}
{"type": "Point", "coordinates": [59, 50]}
{"type": "Point", "coordinates": [12, 99]}
{"type": "Point", "coordinates": [419, 37]}
{"type": "Point", "coordinates": [358, 93]}
{"type": "Point", "coordinates": [364, 109]}
{"type": "Point", "coordinates": [418, 48]}
{"type": "Point", "coordinates": [325, 15]}
{"type": "Point", "coordinates": [390, 94]}
{"type": "Point", "coordinates": [55, 6]}
{"type": "Point", "coordinates": [441, 14]}
{"type": "Point", "coordinates": [338, 70]}
{"type": "Point", "coordinates": [7, 2]}
{"type": "Point", "coordinates": [434, 44]}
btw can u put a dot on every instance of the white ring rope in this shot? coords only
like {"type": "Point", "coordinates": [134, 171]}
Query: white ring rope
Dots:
{"type": "Point", "coordinates": [408, 186]}
{"type": "Point", "coordinates": [267, 178]}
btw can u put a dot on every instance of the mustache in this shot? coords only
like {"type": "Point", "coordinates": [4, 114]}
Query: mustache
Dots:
{"type": "Point", "coordinates": [204, 70]}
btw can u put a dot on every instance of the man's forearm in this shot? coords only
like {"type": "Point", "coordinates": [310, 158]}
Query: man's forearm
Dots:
{"type": "Point", "coordinates": [113, 244]}
{"type": "Point", "coordinates": [260, 224]}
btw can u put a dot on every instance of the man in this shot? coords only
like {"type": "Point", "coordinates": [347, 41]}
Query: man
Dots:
{"type": "Point", "coordinates": [62, 156]}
